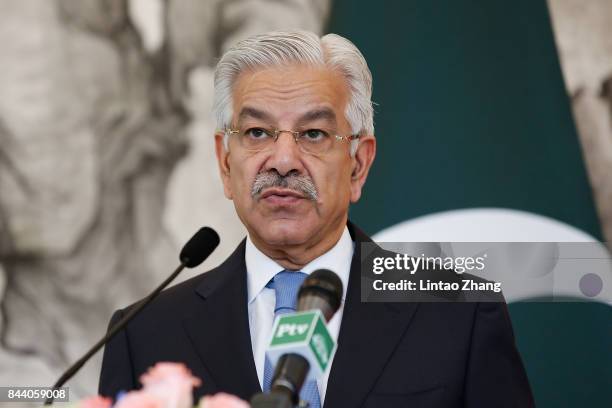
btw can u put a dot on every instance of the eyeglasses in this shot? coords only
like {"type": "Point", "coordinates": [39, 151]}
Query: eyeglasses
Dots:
{"type": "Point", "coordinates": [312, 141]}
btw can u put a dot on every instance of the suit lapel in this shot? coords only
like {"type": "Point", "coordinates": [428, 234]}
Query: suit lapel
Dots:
{"type": "Point", "coordinates": [369, 333]}
{"type": "Point", "coordinates": [219, 330]}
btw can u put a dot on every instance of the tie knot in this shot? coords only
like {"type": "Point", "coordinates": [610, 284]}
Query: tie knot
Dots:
{"type": "Point", "coordinates": [286, 285]}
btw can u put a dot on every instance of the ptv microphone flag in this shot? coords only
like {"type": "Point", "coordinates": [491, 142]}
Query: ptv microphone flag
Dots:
{"type": "Point", "coordinates": [306, 334]}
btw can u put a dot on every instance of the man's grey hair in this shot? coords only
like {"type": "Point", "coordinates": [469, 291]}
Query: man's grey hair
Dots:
{"type": "Point", "coordinates": [279, 48]}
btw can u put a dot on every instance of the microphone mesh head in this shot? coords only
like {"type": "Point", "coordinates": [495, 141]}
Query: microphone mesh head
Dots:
{"type": "Point", "coordinates": [326, 284]}
{"type": "Point", "coordinates": [199, 247]}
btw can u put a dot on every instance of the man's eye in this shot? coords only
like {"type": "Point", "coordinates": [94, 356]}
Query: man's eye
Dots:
{"type": "Point", "coordinates": [256, 133]}
{"type": "Point", "coordinates": [315, 135]}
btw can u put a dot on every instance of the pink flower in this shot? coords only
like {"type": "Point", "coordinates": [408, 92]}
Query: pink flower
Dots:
{"type": "Point", "coordinates": [139, 399]}
{"type": "Point", "coordinates": [96, 402]}
{"type": "Point", "coordinates": [170, 383]}
{"type": "Point", "coordinates": [222, 400]}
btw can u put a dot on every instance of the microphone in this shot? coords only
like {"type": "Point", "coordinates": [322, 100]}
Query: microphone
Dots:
{"type": "Point", "coordinates": [195, 251]}
{"type": "Point", "coordinates": [301, 346]}
{"type": "Point", "coordinates": [321, 290]}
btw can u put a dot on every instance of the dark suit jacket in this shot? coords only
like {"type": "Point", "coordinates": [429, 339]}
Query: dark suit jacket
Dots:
{"type": "Point", "coordinates": [389, 354]}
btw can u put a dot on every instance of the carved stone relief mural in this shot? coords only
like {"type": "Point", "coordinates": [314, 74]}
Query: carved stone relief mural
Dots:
{"type": "Point", "coordinates": [107, 161]}
{"type": "Point", "coordinates": [583, 32]}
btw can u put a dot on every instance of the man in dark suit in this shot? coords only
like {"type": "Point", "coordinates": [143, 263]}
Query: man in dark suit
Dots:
{"type": "Point", "coordinates": [296, 145]}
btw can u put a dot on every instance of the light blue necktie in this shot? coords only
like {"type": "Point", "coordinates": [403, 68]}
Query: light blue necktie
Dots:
{"type": "Point", "coordinates": [286, 285]}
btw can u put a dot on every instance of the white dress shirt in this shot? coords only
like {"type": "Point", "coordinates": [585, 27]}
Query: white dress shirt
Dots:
{"type": "Point", "coordinates": [261, 268]}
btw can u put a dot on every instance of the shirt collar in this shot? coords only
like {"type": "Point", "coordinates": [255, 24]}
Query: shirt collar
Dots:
{"type": "Point", "coordinates": [261, 268]}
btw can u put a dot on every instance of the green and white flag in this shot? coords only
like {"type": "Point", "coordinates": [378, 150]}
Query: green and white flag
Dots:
{"type": "Point", "coordinates": [476, 142]}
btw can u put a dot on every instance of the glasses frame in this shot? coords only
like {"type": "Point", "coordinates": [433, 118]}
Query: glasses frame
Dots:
{"type": "Point", "coordinates": [296, 136]}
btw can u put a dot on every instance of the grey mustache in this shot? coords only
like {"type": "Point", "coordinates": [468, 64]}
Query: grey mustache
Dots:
{"type": "Point", "coordinates": [301, 184]}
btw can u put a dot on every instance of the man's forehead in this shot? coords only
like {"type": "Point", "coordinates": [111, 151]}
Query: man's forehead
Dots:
{"type": "Point", "coordinates": [307, 93]}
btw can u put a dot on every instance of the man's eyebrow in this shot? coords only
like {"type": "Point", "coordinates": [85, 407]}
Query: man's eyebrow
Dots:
{"type": "Point", "coordinates": [254, 113]}
{"type": "Point", "coordinates": [310, 116]}
{"type": "Point", "coordinates": [316, 114]}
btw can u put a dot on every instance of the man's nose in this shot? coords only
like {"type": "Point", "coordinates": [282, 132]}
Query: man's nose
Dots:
{"type": "Point", "coordinates": [285, 156]}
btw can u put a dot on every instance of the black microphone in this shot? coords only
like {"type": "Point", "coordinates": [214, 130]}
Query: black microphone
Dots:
{"type": "Point", "coordinates": [195, 251]}
{"type": "Point", "coordinates": [322, 290]}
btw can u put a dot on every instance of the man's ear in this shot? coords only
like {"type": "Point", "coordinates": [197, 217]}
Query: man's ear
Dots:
{"type": "Point", "coordinates": [364, 157]}
{"type": "Point", "coordinates": [223, 162]}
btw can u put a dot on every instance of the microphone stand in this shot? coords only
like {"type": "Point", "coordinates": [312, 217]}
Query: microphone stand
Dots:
{"type": "Point", "coordinates": [72, 370]}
